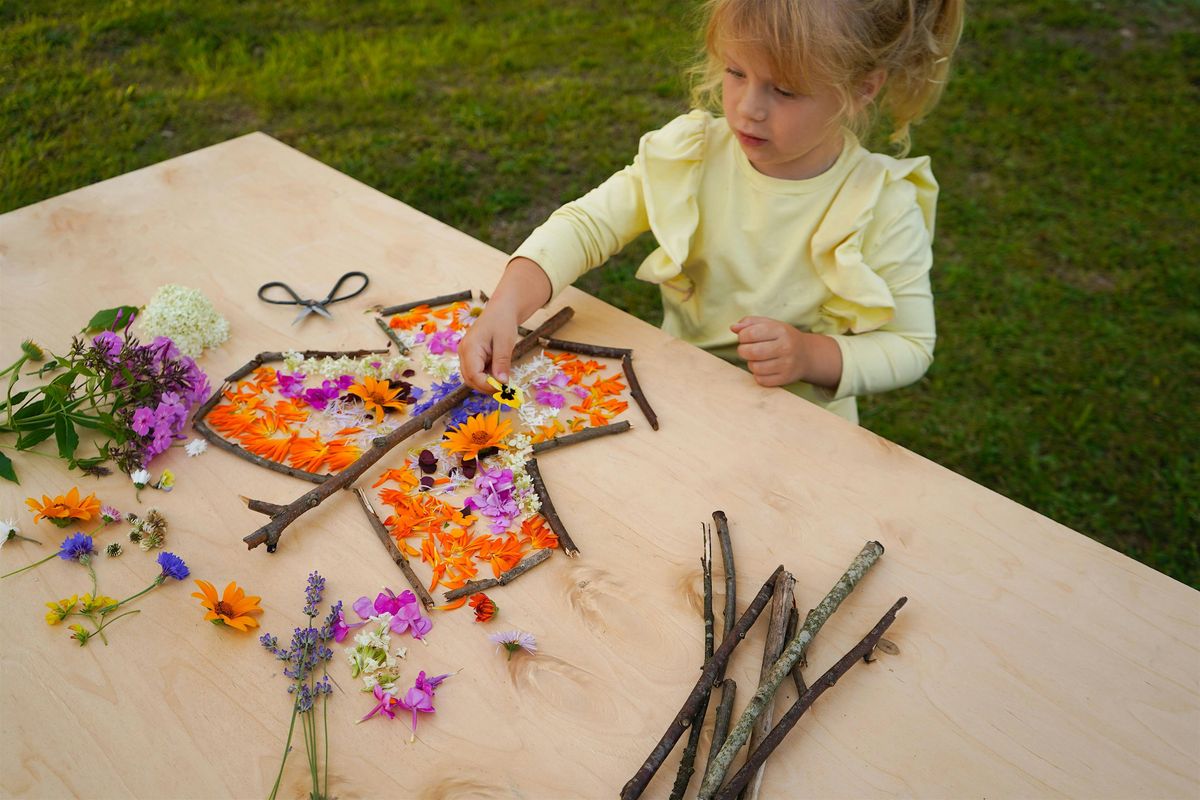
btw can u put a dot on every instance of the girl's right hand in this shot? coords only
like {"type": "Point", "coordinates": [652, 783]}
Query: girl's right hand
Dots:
{"type": "Point", "coordinates": [487, 347]}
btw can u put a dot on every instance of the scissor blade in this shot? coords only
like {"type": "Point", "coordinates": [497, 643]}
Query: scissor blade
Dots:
{"type": "Point", "coordinates": [322, 311]}
{"type": "Point", "coordinates": [304, 312]}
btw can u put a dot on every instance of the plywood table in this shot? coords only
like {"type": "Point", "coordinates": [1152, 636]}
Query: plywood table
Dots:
{"type": "Point", "coordinates": [1032, 662]}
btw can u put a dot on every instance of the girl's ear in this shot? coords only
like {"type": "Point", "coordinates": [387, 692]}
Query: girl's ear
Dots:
{"type": "Point", "coordinates": [871, 85]}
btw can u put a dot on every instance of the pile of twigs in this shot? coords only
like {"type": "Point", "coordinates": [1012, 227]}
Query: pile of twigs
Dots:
{"type": "Point", "coordinates": [787, 642]}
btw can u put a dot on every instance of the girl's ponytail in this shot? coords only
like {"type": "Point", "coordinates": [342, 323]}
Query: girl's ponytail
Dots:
{"type": "Point", "coordinates": [919, 63]}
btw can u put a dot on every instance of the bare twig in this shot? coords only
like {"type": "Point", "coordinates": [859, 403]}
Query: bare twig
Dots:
{"type": "Point", "coordinates": [201, 427]}
{"type": "Point", "coordinates": [432, 302]}
{"type": "Point", "coordinates": [861, 651]}
{"type": "Point", "coordinates": [395, 552]}
{"type": "Point", "coordinates": [687, 765]}
{"type": "Point", "coordinates": [722, 523]}
{"type": "Point", "coordinates": [471, 587]}
{"type": "Point", "coordinates": [641, 779]}
{"type": "Point", "coordinates": [582, 436]}
{"type": "Point", "coordinates": [797, 676]}
{"type": "Point", "coordinates": [635, 390]}
{"type": "Point", "coordinates": [586, 349]}
{"type": "Point", "coordinates": [269, 534]}
{"type": "Point", "coordinates": [387, 330]}
{"type": "Point", "coordinates": [547, 509]}
{"type": "Point", "coordinates": [784, 664]}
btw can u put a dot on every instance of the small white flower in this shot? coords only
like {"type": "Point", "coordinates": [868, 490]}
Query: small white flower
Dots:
{"type": "Point", "coordinates": [195, 447]}
{"type": "Point", "coordinates": [140, 478]}
{"type": "Point", "coordinates": [8, 531]}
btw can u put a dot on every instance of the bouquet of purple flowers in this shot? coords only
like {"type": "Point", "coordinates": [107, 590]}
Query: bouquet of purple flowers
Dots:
{"type": "Point", "coordinates": [130, 399]}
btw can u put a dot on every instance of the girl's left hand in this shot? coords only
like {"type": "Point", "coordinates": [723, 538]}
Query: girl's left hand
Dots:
{"type": "Point", "coordinates": [778, 354]}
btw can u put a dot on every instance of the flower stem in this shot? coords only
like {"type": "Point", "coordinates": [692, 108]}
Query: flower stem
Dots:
{"type": "Point", "coordinates": [157, 582]}
{"type": "Point", "coordinates": [287, 748]}
{"type": "Point", "coordinates": [30, 566]}
{"type": "Point", "coordinates": [114, 619]}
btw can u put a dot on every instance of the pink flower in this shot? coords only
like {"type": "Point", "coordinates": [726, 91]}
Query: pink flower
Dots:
{"type": "Point", "coordinates": [385, 704]}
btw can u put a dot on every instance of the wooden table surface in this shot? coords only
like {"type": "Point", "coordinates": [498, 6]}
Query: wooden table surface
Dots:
{"type": "Point", "coordinates": [1033, 662]}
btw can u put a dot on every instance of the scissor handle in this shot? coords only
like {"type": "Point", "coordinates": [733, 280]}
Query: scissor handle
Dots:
{"type": "Point", "coordinates": [332, 298]}
{"type": "Point", "coordinates": [295, 301]}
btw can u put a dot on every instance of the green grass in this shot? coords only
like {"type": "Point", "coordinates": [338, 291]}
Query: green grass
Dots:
{"type": "Point", "coordinates": [1066, 275]}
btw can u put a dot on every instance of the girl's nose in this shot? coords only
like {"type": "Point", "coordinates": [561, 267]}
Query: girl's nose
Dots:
{"type": "Point", "coordinates": [752, 107]}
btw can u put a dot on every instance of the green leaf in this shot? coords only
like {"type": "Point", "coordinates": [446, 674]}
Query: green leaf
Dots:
{"type": "Point", "coordinates": [32, 410]}
{"type": "Point", "coordinates": [6, 469]}
{"type": "Point", "coordinates": [34, 437]}
{"type": "Point", "coordinates": [85, 422]}
{"type": "Point", "coordinates": [16, 399]}
{"type": "Point", "coordinates": [106, 320]}
{"type": "Point", "coordinates": [66, 436]}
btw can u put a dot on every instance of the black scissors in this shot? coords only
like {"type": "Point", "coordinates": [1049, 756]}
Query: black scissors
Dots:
{"type": "Point", "coordinates": [313, 306]}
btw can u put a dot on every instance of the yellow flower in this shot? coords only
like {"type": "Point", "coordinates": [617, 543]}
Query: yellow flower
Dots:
{"type": "Point", "coordinates": [59, 611]}
{"type": "Point", "coordinates": [88, 604]}
{"type": "Point", "coordinates": [505, 395]}
{"type": "Point", "coordinates": [377, 396]}
{"type": "Point", "coordinates": [80, 635]}
{"type": "Point", "coordinates": [478, 433]}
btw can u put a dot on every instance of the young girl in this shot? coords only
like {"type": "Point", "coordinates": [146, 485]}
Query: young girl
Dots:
{"type": "Point", "coordinates": [784, 245]}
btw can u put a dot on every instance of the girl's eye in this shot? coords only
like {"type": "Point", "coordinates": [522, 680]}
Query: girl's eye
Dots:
{"type": "Point", "coordinates": [784, 92]}
{"type": "Point", "coordinates": [735, 73]}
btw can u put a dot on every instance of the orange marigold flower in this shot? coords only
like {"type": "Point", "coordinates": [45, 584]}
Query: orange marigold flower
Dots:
{"type": "Point", "coordinates": [64, 509]}
{"type": "Point", "coordinates": [378, 396]}
{"type": "Point", "coordinates": [269, 448]}
{"type": "Point", "coordinates": [536, 534]}
{"type": "Point", "coordinates": [403, 476]}
{"type": "Point", "coordinates": [265, 378]}
{"type": "Point", "coordinates": [478, 433]}
{"type": "Point", "coordinates": [485, 609]}
{"type": "Point", "coordinates": [233, 609]}
{"type": "Point", "coordinates": [410, 319]}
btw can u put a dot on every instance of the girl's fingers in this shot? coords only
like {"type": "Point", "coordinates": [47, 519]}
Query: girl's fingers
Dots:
{"type": "Point", "coordinates": [758, 351]}
{"type": "Point", "coordinates": [502, 349]}
{"type": "Point", "coordinates": [474, 360]}
{"type": "Point", "coordinates": [761, 331]}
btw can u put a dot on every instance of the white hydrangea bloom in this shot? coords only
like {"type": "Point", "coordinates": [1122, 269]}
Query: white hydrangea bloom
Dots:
{"type": "Point", "coordinates": [185, 316]}
{"type": "Point", "coordinates": [534, 415]}
{"type": "Point", "coordinates": [195, 447]}
{"type": "Point", "coordinates": [529, 502]}
{"type": "Point", "coordinates": [440, 368]}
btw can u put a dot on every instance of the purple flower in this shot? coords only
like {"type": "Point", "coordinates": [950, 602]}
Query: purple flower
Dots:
{"type": "Point", "coordinates": [436, 393]}
{"type": "Point", "coordinates": [313, 592]}
{"type": "Point", "coordinates": [512, 641]}
{"type": "Point", "coordinates": [475, 404]}
{"type": "Point", "coordinates": [339, 628]}
{"type": "Point", "coordinates": [172, 566]}
{"type": "Point", "coordinates": [495, 498]}
{"type": "Point", "coordinates": [444, 341]}
{"type": "Point", "coordinates": [547, 397]}
{"type": "Point", "coordinates": [290, 384]}
{"type": "Point", "coordinates": [345, 382]}
{"type": "Point", "coordinates": [110, 514]}
{"type": "Point", "coordinates": [143, 420]}
{"type": "Point", "coordinates": [320, 397]}
{"type": "Point", "coordinates": [109, 344]}
{"type": "Point", "coordinates": [419, 699]}
{"type": "Point", "coordinates": [76, 547]}
{"type": "Point", "coordinates": [405, 611]}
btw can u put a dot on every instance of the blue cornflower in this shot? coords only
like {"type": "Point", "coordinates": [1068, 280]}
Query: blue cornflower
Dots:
{"type": "Point", "coordinates": [76, 547]}
{"type": "Point", "coordinates": [173, 566]}
{"type": "Point", "coordinates": [475, 404]}
{"type": "Point", "coordinates": [436, 393]}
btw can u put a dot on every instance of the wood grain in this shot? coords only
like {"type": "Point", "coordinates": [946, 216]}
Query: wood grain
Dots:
{"type": "Point", "coordinates": [1033, 661]}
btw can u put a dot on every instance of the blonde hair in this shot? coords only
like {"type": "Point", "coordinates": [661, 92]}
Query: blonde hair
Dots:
{"type": "Point", "coordinates": [838, 44]}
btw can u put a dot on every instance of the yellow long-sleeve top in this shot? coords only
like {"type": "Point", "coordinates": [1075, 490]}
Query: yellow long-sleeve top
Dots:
{"type": "Point", "coordinates": [846, 253]}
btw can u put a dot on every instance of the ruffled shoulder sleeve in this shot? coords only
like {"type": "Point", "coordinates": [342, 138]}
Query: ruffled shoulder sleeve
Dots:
{"type": "Point", "coordinates": [670, 162]}
{"type": "Point", "coordinates": [861, 300]}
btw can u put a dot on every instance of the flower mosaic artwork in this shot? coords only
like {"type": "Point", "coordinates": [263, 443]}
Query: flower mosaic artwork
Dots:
{"type": "Point", "coordinates": [459, 498]}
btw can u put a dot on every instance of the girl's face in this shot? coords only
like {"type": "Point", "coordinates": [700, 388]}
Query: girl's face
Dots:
{"type": "Point", "coordinates": [784, 132]}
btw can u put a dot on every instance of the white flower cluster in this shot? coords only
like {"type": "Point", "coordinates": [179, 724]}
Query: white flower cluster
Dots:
{"type": "Point", "coordinates": [329, 368]}
{"type": "Point", "coordinates": [372, 658]}
{"type": "Point", "coordinates": [187, 317]}
{"type": "Point", "coordinates": [440, 368]}
{"type": "Point", "coordinates": [540, 366]}
{"type": "Point", "coordinates": [520, 448]}
{"type": "Point", "coordinates": [534, 415]}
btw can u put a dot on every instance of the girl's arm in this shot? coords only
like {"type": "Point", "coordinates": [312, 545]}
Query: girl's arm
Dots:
{"type": "Point", "coordinates": [577, 237]}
